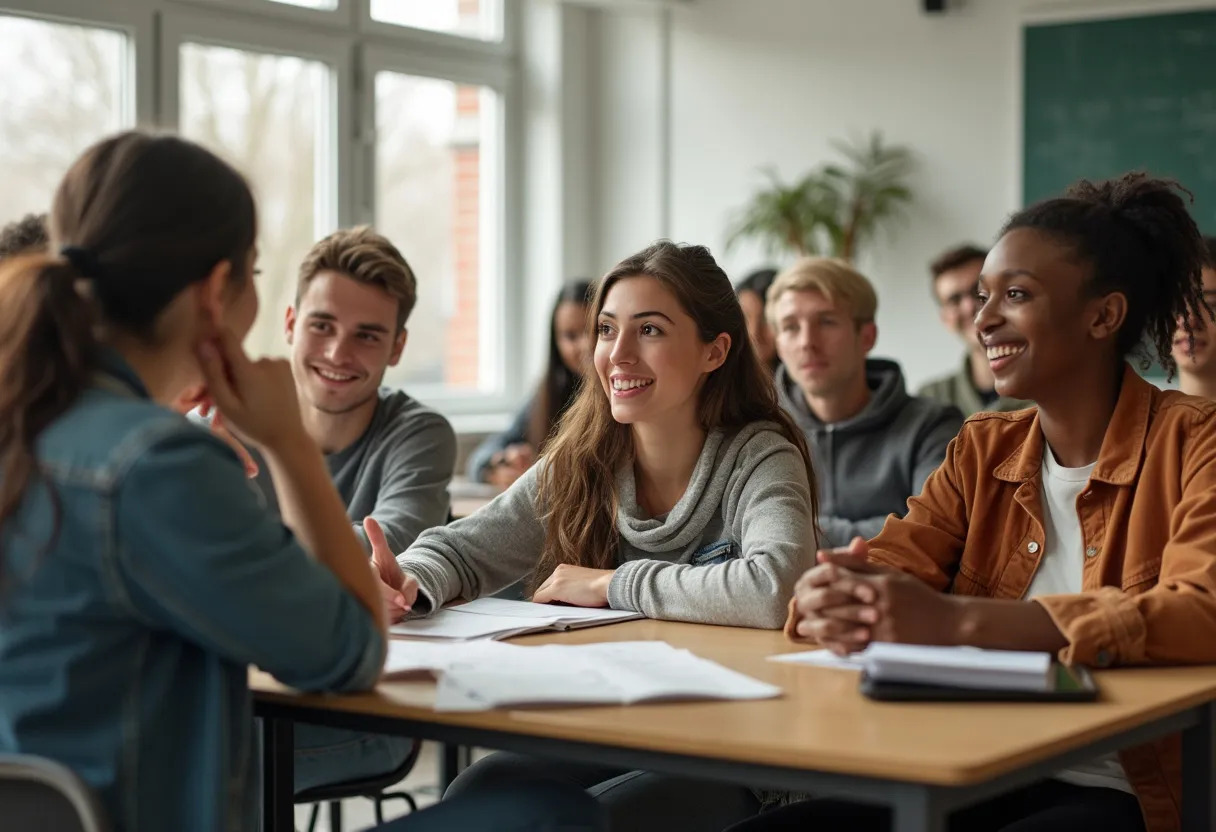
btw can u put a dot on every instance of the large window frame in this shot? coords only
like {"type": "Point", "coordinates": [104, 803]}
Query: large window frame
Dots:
{"type": "Point", "coordinates": [354, 48]}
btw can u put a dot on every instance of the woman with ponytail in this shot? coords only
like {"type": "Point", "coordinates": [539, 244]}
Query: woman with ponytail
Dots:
{"type": "Point", "coordinates": [139, 574]}
{"type": "Point", "coordinates": [674, 486]}
{"type": "Point", "coordinates": [1085, 527]}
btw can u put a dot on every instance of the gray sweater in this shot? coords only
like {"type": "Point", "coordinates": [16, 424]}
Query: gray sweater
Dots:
{"type": "Point", "coordinates": [398, 471]}
{"type": "Point", "coordinates": [729, 552]}
{"type": "Point", "coordinates": [867, 466]}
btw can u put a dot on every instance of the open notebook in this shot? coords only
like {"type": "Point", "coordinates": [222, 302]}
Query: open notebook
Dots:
{"type": "Point", "coordinates": [499, 618]}
{"type": "Point", "coordinates": [480, 675]}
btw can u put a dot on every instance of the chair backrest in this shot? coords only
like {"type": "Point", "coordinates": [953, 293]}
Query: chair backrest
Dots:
{"type": "Point", "coordinates": [40, 795]}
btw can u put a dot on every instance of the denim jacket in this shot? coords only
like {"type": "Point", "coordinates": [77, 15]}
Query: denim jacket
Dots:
{"type": "Point", "coordinates": [125, 638]}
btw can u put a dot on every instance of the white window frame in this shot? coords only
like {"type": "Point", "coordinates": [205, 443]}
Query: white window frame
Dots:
{"type": "Point", "coordinates": [354, 47]}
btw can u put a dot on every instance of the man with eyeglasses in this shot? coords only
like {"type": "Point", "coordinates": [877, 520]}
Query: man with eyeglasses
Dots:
{"type": "Point", "coordinates": [971, 387]}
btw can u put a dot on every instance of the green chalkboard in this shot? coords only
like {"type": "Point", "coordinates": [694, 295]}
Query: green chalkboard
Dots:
{"type": "Point", "coordinates": [1135, 93]}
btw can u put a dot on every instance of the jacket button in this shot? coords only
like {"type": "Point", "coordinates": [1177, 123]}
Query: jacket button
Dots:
{"type": "Point", "coordinates": [1102, 659]}
{"type": "Point", "coordinates": [1091, 551]}
{"type": "Point", "coordinates": [1032, 547]}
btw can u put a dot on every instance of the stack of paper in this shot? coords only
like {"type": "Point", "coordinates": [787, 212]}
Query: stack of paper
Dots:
{"type": "Point", "coordinates": [478, 676]}
{"type": "Point", "coordinates": [499, 618]}
{"type": "Point", "coordinates": [961, 667]}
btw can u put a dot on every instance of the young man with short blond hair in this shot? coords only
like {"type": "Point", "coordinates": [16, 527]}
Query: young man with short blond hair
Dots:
{"type": "Point", "coordinates": [873, 445]}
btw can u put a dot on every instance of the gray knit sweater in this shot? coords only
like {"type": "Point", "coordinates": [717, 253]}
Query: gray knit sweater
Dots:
{"type": "Point", "coordinates": [729, 552]}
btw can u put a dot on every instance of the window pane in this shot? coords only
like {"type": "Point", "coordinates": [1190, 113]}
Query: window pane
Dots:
{"type": "Point", "coordinates": [468, 18]}
{"type": "Point", "coordinates": [436, 198]}
{"type": "Point", "coordinates": [64, 88]}
{"type": "Point", "coordinates": [269, 116]}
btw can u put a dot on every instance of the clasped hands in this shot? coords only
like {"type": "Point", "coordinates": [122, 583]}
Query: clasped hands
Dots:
{"type": "Point", "coordinates": [575, 585]}
{"type": "Point", "coordinates": [845, 602]}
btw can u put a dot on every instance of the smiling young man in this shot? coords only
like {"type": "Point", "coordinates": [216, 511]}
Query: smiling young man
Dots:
{"type": "Point", "coordinates": [390, 457]}
{"type": "Point", "coordinates": [972, 387]}
{"type": "Point", "coordinates": [872, 444]}
{"type": "Point", "coordinates": [1197, 363]}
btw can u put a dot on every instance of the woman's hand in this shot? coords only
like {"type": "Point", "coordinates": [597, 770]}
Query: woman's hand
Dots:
{"type": "Point", "coordinates": [398, 589]}
{"type": "Point", "coordinates": [577, 585]}
{"type": "Point", "coordinates": [257, 398]}
{"type": "Point", "coordinates": [846, 602]}
{"type": "Point", "coordinates": [510, 464]}
{"type": "Point", "coordinates": [197, 397]}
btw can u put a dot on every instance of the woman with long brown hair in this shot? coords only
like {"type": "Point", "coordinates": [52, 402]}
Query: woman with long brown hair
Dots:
{"type": "Point", "coordinates": [138, 571]}
{"type": "Point", "coordinates": [675, 486]}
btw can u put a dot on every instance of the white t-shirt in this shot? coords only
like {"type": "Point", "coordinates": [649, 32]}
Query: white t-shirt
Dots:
{"type": "Point", "coordinates": [1059, 573]}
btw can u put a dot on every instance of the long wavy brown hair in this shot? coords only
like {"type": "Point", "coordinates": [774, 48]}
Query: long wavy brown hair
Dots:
{"type": "Point", "coordinates": [577, 481]}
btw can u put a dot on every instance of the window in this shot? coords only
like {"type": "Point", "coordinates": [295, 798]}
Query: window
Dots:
{"type": "Point", "coordinates": [268, 116]}
{"type": "Point", "coordinates": [65, 87]}
{"type": "Point", "coordinates": [435, 161]}
{"type": "Point", "coordinates": [310, 4]}
{"type": "Point", "coordinates": [480, 19]}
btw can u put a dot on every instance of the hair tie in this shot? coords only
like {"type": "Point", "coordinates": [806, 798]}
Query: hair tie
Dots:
{"type": "Point", "coordinates": [82, 261]}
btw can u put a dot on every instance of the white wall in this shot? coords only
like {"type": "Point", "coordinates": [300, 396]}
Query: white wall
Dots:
{"type": "Point", "coordinates": [759, 82]}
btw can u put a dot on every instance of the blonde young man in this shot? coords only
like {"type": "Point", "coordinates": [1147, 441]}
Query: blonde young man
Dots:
{"type": "Point", "coordinates": [1197, 365]}
{"type": "Point", "coordinates": [971, 388]}
{"type": "Point", "coordinates": [873, 445]}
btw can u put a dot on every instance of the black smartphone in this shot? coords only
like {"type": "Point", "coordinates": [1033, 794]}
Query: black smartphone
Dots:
{"type": "Point", "coordinates": [1069, 684]}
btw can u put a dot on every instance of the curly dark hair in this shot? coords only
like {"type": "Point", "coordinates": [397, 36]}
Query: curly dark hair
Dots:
{"type": "Point", "coordinates": [24, 236]}
{"type": "Point", "coordinates": [1140, 239]}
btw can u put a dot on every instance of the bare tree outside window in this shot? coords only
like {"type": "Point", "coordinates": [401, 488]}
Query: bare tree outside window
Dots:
{"type": "Point", "coordinates": [267, 115]}
{"type": "Point", "coordinates": [65, 87]}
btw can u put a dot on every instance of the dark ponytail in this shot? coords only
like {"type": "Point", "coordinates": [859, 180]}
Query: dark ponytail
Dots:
{"type": "Point", "coordinates": [1141, 241]}
{"type": "Point", "coordinates": [136, 220]}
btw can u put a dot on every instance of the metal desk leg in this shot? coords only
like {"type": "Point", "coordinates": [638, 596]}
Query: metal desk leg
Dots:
{"type": "Point", "coordinates": [278, 775]}
{"type": "Point", "coordinates": [914, 810]}
{"type": "Point", "coordinates": [1198, 792]}
{"type": "Point", "coordinates": [453, 759]}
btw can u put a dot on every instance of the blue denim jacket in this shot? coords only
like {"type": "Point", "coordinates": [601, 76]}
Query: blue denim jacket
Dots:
{"type": "Point", "coordinates": [124, 646]}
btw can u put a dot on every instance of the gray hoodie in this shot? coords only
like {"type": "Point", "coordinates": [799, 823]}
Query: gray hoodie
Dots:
{"type": "Point", "coordinates": [868, 466]}
{"type": "Point", "coordinates": [729, 552]}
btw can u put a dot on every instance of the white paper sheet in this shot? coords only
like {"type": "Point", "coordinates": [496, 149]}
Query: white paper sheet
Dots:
{"type": "Point", "coordinates": [500, 618]}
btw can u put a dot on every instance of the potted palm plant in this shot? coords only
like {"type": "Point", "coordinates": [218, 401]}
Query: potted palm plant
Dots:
{"type": "Point", "coordinates": [834, 209]}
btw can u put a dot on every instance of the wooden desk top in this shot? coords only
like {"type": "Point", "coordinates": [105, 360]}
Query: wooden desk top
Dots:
{"type": "Point", "coordinates": [823, 723]}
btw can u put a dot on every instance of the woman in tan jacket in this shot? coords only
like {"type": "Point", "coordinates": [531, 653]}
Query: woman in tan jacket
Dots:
{"type": "Point", "coordinates": [1085, 527]}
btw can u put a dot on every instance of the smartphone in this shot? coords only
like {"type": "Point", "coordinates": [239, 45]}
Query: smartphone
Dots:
{"type": "Point", "coordinates": [1069, 684]}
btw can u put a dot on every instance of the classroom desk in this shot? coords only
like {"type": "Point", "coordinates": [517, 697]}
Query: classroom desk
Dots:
{"type": "Point", "coordinates": [922, 759]}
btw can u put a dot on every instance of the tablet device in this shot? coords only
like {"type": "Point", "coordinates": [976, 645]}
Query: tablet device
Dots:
{"type": "Point", "coordinates": [1069, 684]}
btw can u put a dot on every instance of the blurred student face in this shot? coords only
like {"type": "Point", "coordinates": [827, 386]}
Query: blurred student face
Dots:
{"type": "Point", "coordinates": [1041, 329]}
{"type": "Point", "coordinates": [343, 336]}
{"type": "Point", "coordinates": [823, 349]}
{"type": "Point", "coordinates": [758, 329]}
{"type": "Point", "coordinates": [570, 332]}
{"type": "Point", "coordinates": [649, 358]}
{"type": "Point", "coordinates": [1199, 360]}
{"type": "Point", "coordinates": [956, 303]}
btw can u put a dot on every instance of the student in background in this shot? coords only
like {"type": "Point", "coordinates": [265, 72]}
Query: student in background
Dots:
{"type": "Point", "coordinates": [502, 459]}
{"type": "Point", "coordinates": [675, 486]}
{"type": "Point", "coordinates": [1194, 351]}
{"type": "Point", "coordinates": [141, 575]}
{"type": "Point", "coordinates": [873, 445]}
{"type": "Point", "coordinates": [389, 456]}
{"type": "Point", "coordinates": [970, 389]}
{"type": "Point", "coordinates": [752, 291]}
{"type": "Point", "coordinates": [24, 236]}
{"type": "Point", "coordinates": [1097, 510]}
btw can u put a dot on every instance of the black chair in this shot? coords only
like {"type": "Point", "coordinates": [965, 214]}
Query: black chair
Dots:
{"type": "Point", "coordinates": [42, 795]}
{"type": "Point", "coordinates": [370, 787]}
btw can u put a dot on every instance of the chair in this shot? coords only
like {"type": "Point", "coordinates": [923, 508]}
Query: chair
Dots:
{"type": "Point", "coordinates": [40, 795]}
{"type": "Point", "coordinates": [370, 787]}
